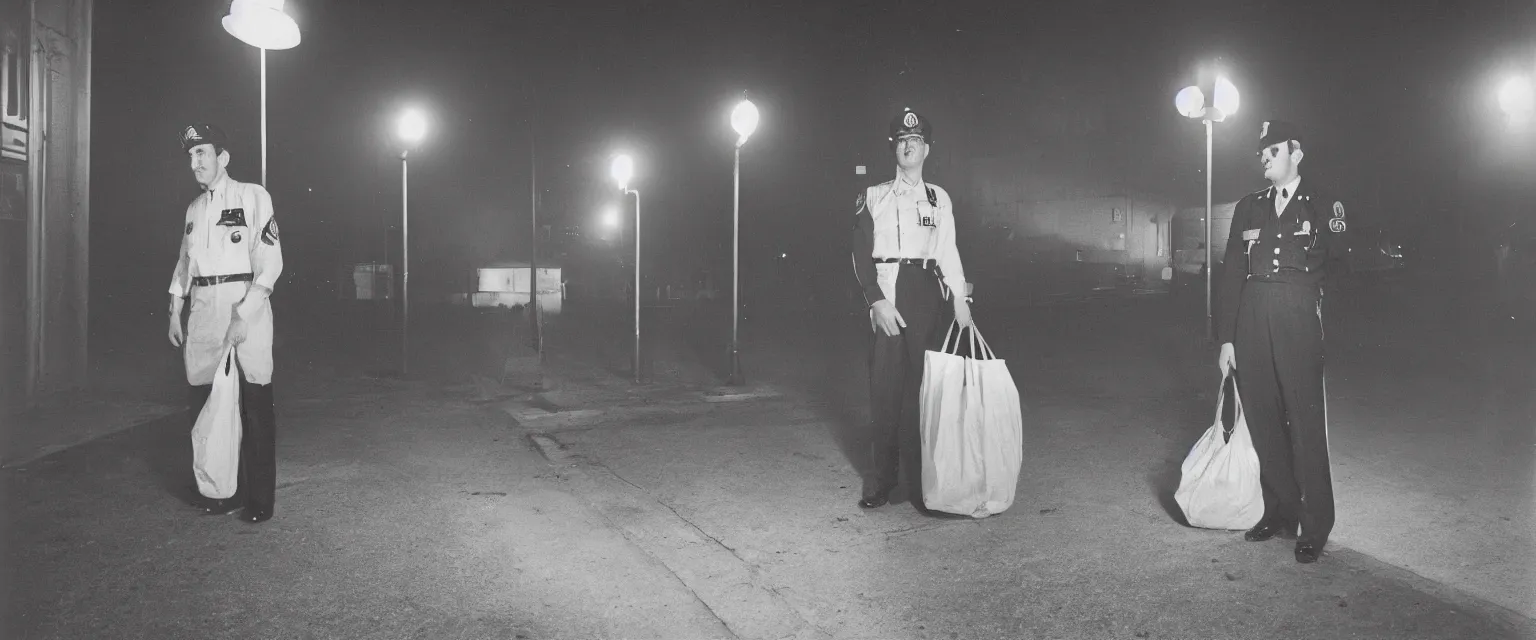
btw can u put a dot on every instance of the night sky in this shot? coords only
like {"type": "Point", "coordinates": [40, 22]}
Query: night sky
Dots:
{"type": "Point", "coordinates": [1391, 95]}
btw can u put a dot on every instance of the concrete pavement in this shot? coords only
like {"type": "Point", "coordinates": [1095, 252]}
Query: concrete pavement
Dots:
{"type": "Point", "coordinates": [1093, 547]}
{"type": "Point", "coordinates": [422, 508]}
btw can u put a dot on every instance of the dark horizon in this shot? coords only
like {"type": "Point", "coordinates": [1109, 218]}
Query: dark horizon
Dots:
{"type": "Point", "coordinates": [1390, 98]}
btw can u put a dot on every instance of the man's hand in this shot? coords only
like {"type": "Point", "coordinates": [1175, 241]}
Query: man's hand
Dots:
{"type": "Point", "coordinates": [883, 316]}
{"type": "Point", "coordinates": [1227, 360]}
{"type": "Point", "coordinates": [237, 330]}
{"type": "Point", "coordinates": [177, 335]}
{"type": "Point", "coordinates": [963, 313]}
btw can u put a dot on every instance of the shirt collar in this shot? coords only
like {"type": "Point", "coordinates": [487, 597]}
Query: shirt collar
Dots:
{"type": "Point", "coordinates": [1289, 187]}
{"type": "Point", "coordinates": [219, 184]}
{"type": "Point", "coordinates": [904, 185]}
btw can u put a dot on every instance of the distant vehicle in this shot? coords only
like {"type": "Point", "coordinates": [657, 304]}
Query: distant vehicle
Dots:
{"type": "Point", "coordinates": [1373, 250]}
{"type": "Point", "coordinates": [1517, 270]}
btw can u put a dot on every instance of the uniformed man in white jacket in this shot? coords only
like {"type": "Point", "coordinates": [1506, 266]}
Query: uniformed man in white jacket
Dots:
{"type": "Point", "coordinates": [907, 265]}
{"type": "Point", "coordinates": [229, 263]}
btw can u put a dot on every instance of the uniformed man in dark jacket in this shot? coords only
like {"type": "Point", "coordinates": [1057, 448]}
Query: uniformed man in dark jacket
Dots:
{"type": "Point", "coordinates": [1284, 243]}
{"type": "Point", "coordinates": [907, 265]}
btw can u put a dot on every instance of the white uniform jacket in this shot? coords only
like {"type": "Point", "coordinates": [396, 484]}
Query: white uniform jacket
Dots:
{"type": "Point", "coordinates": [229, 243]}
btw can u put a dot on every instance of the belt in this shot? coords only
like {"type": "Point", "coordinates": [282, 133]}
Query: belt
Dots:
{"type": "Point", "coordinates": [208, 281]}
{"type": "Point", "coordinates": [917, 262]}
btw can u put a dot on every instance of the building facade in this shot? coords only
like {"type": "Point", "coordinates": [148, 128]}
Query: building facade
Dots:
{"type": "Point", "coordinates": [45, 120]}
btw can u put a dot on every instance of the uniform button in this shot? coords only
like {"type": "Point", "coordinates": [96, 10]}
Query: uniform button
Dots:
{"type": "Point", "coordinates": [1279, 236]}
{"type": "Point", "coordinates": [1277, 263]}
{"type": "Point", "coordinates": [1277, 251]}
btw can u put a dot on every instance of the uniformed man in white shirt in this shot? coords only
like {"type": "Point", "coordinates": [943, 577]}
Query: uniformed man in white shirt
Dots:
{"type": "Point", "coordinates": [230, 260]}
{"type": "Point", "coordinates": [905, 259]}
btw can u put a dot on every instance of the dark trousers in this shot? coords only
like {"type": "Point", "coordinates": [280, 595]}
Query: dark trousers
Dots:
{"type": "Point", "coordinates": [895, 380]}
{"type": "Point", "coordinates": [1279, 349]}
{"type": "Point", "coordinates": [257, 484]}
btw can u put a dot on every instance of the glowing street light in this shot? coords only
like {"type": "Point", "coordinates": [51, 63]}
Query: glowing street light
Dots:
{"type": "Point", "coordinates": [411, 128]}
{"type": "Point", "coordinates": [262, 24]}
{"type": "Point", "coordinates": [623, 171]}
{"type": "Point", "coordinates": [1191, 103]}
{"type": "Point", "coordinates": [744, 121]}
{"type": "Point", "coordinates": [611, 218]}
{"type": "Point", "coordinates": [1517, 99]}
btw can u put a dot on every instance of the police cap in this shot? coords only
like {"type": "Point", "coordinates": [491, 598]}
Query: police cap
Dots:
{"type": "Point", "coordinates": [911, 123]}
{"type": "Point", "coordinates": [198, 134]}
{"type": "Point", "coordinates": [1277, 131]}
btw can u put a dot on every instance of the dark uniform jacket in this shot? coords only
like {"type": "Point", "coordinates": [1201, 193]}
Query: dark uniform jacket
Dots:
{"type": "Point", "coordinates": [1301, 246]}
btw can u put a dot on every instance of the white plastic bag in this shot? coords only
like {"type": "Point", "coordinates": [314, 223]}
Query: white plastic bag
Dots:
{"type": "Point", "coordinates": [216, 436]}
{"type": "Point", "coordinates": [972, 430]}
{"type": "Point", "coordinates": [1219, 487]}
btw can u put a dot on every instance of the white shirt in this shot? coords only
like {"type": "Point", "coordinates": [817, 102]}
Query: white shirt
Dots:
{"type": "Point", "coordinates": [909, 225]}
{"type": "Point", "coordinates": [229, 230]}
{"type": "Point", "coordinates": [1284, 193]}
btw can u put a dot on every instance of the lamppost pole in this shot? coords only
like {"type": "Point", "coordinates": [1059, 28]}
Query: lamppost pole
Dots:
{"type": "Point", "coordinates": [1210, 323]}
{"type": "Point", "coordinates": [637, 284]}
{"type": "Point", "coordinates": [736, 377]}
{"type": "Point", "coordinates": [262, 24]}
{"type": "Point", "coordinates": [405, 264]}
{"type": "Point", "coordinates": [744, 120]}
{"type": "Point", "coordinates": [1191, 102]}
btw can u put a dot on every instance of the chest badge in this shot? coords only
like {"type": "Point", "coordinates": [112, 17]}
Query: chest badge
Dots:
{"type": "Point", "coordinates": [232, 218]}
{"type": "Point", "coordinates": [1306, 228]}
{"type": "Point", "coordinates": [235, 237]}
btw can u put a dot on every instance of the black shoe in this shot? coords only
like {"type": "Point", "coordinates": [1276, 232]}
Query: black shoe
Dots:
{"type": "Point", "coordinates": [254, 516]}
{"type": "Point", "coordinates": [1267, 529]}
{"type": "Point", "coordinates": [213, 507]}
{"type": "Point", "coordinates": [876, 500]}
{"type": "Point", "coordinates": [1307, 552]}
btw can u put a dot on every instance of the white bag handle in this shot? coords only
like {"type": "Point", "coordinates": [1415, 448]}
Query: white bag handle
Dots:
{"type": "Point", "coordinates": [1237, 403]}
{"type": "Point", "coordinates": [984, 349]}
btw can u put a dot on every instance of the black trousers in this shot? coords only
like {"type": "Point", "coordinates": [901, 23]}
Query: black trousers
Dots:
{"type": "Point", "coordinates": [257, 484]}
{"type": "Point", "coordinates": [1279, 349]}
{"type": "Point", "coordinates": [895, 380]}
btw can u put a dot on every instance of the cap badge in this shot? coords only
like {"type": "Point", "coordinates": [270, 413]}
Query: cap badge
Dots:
{"type": "Point", "coordinates": [909, 120]}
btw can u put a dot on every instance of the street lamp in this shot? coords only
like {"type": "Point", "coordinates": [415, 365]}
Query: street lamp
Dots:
{"type": "Point", "coordinates": [262, 24]}
{"type": "Point", "coordinates": [611, 218]}
{"type": "Point", "coordinates": [411, 128]}
{"type": "Point", "coordinates": [623, 170]}
{"type": "Point", "coordinates": [744, 121]}
{"type": "Point", "coordinates": [1190, 102]}
{"type": "Point", "coordinates": [1517, 99]}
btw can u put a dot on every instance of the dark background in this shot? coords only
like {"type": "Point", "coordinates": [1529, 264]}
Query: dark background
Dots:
{"type": "Point", "coordinates": [1394, 97]}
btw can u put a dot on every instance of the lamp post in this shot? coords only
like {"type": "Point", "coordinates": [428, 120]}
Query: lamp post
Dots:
{"type": "Point", "coordinates": [744, 121]}
{"type": "Point", "coordinates": [623, 170]}
{"type": "Point", "coordinates": [1190, 102]}
{"type": "Point", "coordinates": [411, 128]}
{"type": "Point", "coordinates": [262, 24]}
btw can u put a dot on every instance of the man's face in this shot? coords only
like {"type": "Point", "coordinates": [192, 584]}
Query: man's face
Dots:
{"type": "Point", "coordinates": [1280, 162]}
{"type": "Point", "coordinates": [911, 151]}
{"type": "Point", "coordinates": [207, 164]}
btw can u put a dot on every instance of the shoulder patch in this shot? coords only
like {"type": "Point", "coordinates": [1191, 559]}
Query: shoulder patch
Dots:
{"type": "Point", "coordinates": [189, 229]}
{"type": "Point", "coordinates": [933, 197]}
{"type": "Point", "coordinates": [269, 232]}
{"type": "Point", "coordinates": [858, 205]}
{"type": "Point", "coordinates": [1338, 210]}
{"type": "Point", "coordinates": [1336, 225]}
